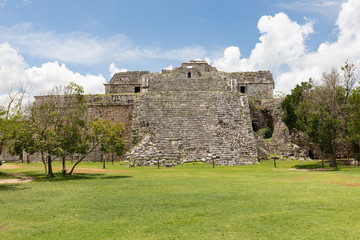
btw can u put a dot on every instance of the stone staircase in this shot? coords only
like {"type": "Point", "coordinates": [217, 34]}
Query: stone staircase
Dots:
{"type": "Point", "coordinates": [176, 126]}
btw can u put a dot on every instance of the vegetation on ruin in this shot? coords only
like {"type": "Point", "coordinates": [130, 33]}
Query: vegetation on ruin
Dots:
{"type": "Point", "coordinates": [191, 201]}
{"type": "Point", "coordinates": [328, 113]}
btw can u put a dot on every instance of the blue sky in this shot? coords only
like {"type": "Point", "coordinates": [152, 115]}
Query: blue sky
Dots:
{"type": "Point", "coordinates": [52, 42]}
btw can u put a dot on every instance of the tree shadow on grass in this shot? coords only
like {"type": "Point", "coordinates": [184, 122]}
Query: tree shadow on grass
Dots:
{"type": "Point", "coordinates": [77, 176]}
{"type": "Point", "coordinates": [12, 187]}
{"type": "Point", "coordinates": [314, 166]}
{"type": "Point", "coordinates": [115, 177]}
{"type": "Point", "coordinates": [5, 175]}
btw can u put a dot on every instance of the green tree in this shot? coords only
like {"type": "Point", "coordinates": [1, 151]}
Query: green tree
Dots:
{"type": "Point", "coordinates": [106, 136]}
{"type": "Point", "coordinates": [72, 127]}
{"type": "Point", "coordinates": [320, 111]}
{"type": "Point", "coordinates": [291, 104]}
{"type": "Point", "coordinates": [58, 124]}
{"type": "Point", "coordinates": [10, 114]}
{"type": "Point", "coordinates": [353, 123]}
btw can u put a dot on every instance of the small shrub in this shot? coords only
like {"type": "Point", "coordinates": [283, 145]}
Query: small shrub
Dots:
{"type": "Point", "coordinates": [267, 133]}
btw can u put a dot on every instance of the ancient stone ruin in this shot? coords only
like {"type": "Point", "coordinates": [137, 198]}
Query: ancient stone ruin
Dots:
{"type": "Point", "coordinates": [190, 113]}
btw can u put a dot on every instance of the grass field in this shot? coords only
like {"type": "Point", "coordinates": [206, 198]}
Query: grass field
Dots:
{"type": "Point", "coordinates": [192, 201]}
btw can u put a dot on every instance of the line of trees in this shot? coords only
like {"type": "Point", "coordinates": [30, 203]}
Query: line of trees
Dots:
{"type": "Point", "coordinates": [58, 127]}
{"type": "Point", "coordinates": [328, 113]}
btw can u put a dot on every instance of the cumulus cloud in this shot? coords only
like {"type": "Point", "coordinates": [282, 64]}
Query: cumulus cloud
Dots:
{"type": "Point", "coordinates": [113, 69]}
{"type": "Point", "coordinates": [232, 61]}
{"type": "Point", "coordinates": [52, 73]}
{"type": "Point", "coordinates": [282, 48]}
{"type": "Point", "coordinates": [14, 70]}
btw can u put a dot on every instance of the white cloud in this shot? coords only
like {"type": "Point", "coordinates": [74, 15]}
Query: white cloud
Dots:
{"type": "Point", "coordinates": [282, 39]}
{"type": "Point", "coordinates": [53, 74]}
{"type": "Point", "coordinates": [170, 67]}
{"type": "Point", "coordinates": [113, 69]}
{"type": "Point", "coordinates": [282, 48]}
{"type": "Point", "coordinates": [231, 61]}
{"type": "Point", "coordinates": [86, 49]}
{"type": "Point", "coordinates": [14, 70]}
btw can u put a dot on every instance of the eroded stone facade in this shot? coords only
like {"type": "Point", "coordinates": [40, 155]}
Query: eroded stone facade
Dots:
{"type": "Point", "coordinates": [190, 113]}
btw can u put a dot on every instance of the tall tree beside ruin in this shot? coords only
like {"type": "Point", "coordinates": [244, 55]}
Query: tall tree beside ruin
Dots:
{"type": "Point", "coordinates": [290, 105]}
{"type": "Point", "coordinates": [59, 125]}
{"type": "Point", "coordinates": [353, 123]}
{"type": "Point", "coordinates": [10, 113]}
{"type": "Point", "coordinates": [321, 111]}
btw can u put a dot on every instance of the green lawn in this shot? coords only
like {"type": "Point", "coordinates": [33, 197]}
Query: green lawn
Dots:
{"type": "Point", "coordinates": [192, 201]}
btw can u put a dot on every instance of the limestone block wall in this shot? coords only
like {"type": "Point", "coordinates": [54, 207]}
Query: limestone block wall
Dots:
{"type": "Point", "coordinates": [121, 88]}
{"type": "Point", "coordinates": [113, 113]}
{"type": "Point", "coordinates": [263, 91]}
{"type": "Point", "coordinates": [257, 84]}
{"type": "Point", "coordinates": [178, 81]}
{"type": "Point", "coordinates": [176, 127]}
{"type": "Point", "coordinates": [6, 157]}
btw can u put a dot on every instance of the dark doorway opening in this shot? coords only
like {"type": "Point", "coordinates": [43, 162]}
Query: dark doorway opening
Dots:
{"type": "Point", "coordinates": [255, 126]}
{"type": "Point", "coordinates": [137, 89]}
{"type": "Point", "coordinates": [189, 74]}
{"type": "Point", "coordinates": [311, 154]}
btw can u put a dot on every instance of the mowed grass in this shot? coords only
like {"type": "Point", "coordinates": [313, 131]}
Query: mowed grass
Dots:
{"type": "Point", "coordinates": [192, 201]}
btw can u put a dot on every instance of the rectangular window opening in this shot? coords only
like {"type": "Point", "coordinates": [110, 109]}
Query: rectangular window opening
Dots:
{"type": "Point", "coordinates": [137, 89]}
{"type": "Point", "coordinates": [242, 89]}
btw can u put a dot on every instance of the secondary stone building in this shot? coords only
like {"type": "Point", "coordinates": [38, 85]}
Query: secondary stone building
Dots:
{"type": "Point", "coordinates": [190, 113]}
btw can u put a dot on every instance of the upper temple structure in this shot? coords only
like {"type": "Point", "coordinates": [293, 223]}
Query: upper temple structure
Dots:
{"type": "Point", "coordinates": [190, 113]}
{"type": "Point", "coordinates": [193, 76]}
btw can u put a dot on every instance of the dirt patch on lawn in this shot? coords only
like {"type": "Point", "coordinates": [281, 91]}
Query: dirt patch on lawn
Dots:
{"type": "Point", "coordinates": [9, 166]}
{"type": "Point", "coordinates": [96, 170]}
{"type": "Point", "coordinates": [20, 179]}
{"type": "Point", "coordinates": [312, 169]}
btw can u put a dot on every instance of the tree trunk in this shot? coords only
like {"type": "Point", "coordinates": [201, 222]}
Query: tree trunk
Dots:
{"type": "Point", "coordinates": [82, 158]}
{"type": "Point", "coordinates": [63, 166]}
{"type": "Point", "coordinates": [333, 160]}
{"type": "Point", "coordinates": [50, 171]}
{"type": "Point", "coordinates": [1, 145]}
{"type": "Point", "coordinates": [104, 160]}
{"type": "Point", "coordinates": [44, 162]}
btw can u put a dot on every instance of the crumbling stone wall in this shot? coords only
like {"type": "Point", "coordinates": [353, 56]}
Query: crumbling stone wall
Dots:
{"type": "Point", "coordinates": [126, 82]}
{"type": "Point", "coordinates": [177, 127]}
{"type": "Point", "coordinates": [282, 143]}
